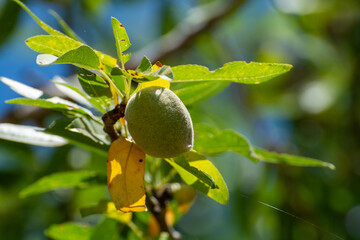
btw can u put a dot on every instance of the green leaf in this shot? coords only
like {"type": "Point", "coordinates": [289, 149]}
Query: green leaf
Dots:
{"type": "Point", "coordinates": [118, 77]}
{"type": "Point", "coordinates": [58, 45]}
{"type": "Point", "coordinates": [144, 66]}
{"type": "Point", "coordinates": [89, 128]}
{"type": "Point", "coordinates": [92, 84]}
{"type": "Point", "coordinates": [240, 72]}
{"type": "Point", "coordinates": [121, 39]}
{"type": "Point", "coordinates": [54, 45]}
{"type": "Point", "coordinates": [107, 208]}
{"type": "Point", "coordinates": [107, 60]}
{"type": "Point", "coordinates": [210, 141]}
{"type": "Point", "coordinates": [62, 127]}
{"type": "Point", "coordinates": [95, 87]}
{"type": "Point", "coordinates": [83, 57]}
{"type": "Point", "coordinates": [55, 103]}
{"type": "Point", "coordinates": [54, 181]}
{"type": "Point", "coordinates": [182, 162]}
{"type": "Point", "coordinates": [108, 229]}
{"type": "Point", "coordinates": [273, 157]}
{"type": "Point", "coordinates": [22, 89]}
{"type": "Point", "coordinates": [194, 92]}
{"type": "Point", "coordinates": [164, 73]}
{"type": "Point", "coordinates": [69, 32]}
{"type": "Point", "coordinates": [196, 160]}
{"type": "Point", "coordinates": [43, 25]}
{"type": "Point", "coordinates": [69, 231]}
{"type": "Point", "coordinates": [30, 135]}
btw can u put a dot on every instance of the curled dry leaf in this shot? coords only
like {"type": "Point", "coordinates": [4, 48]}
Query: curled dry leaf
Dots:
{"type": "Point", "coordinates": [125, 176]}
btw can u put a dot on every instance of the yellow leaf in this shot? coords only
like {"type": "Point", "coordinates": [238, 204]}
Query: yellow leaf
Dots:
{"type": "Point", "coordinates": [125, 176]}
{"type": "Point", "coordinates": [114, 214]}
{"type": "Point", "coordinates": [158, 82]}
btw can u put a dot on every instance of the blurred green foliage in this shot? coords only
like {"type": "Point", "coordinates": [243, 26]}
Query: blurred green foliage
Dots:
{"type": "Point", "coordinates": [313, 111]}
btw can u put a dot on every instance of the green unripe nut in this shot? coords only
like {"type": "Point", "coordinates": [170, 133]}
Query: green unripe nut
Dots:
{"type": "Point", "coordinates": [159, 122]}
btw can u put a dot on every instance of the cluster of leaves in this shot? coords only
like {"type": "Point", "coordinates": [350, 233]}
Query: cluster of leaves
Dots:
{"type": "Point", "coordinates": [105, 83]}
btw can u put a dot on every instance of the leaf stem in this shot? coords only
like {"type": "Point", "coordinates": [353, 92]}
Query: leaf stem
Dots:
{"type": "Point", "coordinates": [111, 82]}
{"type": "Point", "coordinates": [122, 64]}
{"type": "Point", "coordinates": [127, 90]}
{"type": "Point", "coordinates": [137, 88]}
{"type": "Point", "coordinates": [136, 230]}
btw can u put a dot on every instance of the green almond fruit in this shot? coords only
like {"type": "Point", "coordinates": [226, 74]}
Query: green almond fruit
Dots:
{"type": "Point", "coordinates": [159, 122]}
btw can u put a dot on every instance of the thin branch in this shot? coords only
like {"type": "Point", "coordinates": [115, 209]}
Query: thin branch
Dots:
{"type": "Point", "coordinates": [157, 206]}
{"type": "Point", "coordinates": [200, 20]}
{"type": "Point", "coordinates": [110, 118]}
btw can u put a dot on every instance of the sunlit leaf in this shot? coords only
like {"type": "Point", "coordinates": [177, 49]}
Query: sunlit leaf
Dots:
{"type": "Point", "coordinates": [95, 87]}
{"type": "Point", "coordinates": [22, 89]}
{"type": "Point", "coordinates": [219, 194]}
{"type": "Point", "coordinates": [163, 73]}
{"type": "Point", "coordinates": [55, 103]}
{"type": "Point", "coordinates": [273, 157]}
{"type": "Point", "coordinates": [125, 174]}
{"type": "Point", "coordinates": [194, 92]}
{"type": "Point", "coordinates": [69, 231]}
{"type": "Point", "coordinates": [89, 128]}
{"type": "Point", "coordinates": [43, 25]}
{"type": "Point", "coordinates": [83, 57]}
{"type": "Point", "coordinates": [144, 66]}
{"type": "Point", "coordinates": [182, 162]}
{"type": "Point", "coordinates": [138, 76]}
{"type": "Point", "coordinates": [60, 127]}
{"type": "Point", "coordinates": [30, 135]}
{"type": "Point", "coordinates": [59, 45]}
{"type": "Point", "coordinates": [62, 180]}
{"type": "Point", "coordinates": [121, 39]}
{"type": "Point", "coordinates": [210, 141]}
{"type": "Point", "coordinates": [54, 45]}
{"type": "Point", "coordinates": [159, 82]}
{"type": "Point", "coordinates": [119, 78]}
{"type": "Point", "coordinates": [240, 72]}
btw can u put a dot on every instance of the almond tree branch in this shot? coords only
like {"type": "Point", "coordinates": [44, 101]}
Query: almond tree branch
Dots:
{"type": "Point", "coordinates": [110, 118]}
{"type": "Point", "coordinates": [200, 20]}
{"type": "Point", "coordinates": [157, 204]}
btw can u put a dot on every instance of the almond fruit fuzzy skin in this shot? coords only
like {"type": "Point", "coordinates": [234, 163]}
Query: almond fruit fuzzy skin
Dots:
{"type": "Point", "coordinates": [159, 122]}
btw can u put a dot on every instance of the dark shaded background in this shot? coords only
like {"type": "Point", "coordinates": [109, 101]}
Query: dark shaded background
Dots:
{"type": "Point", "coordinates": [312, 111]}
